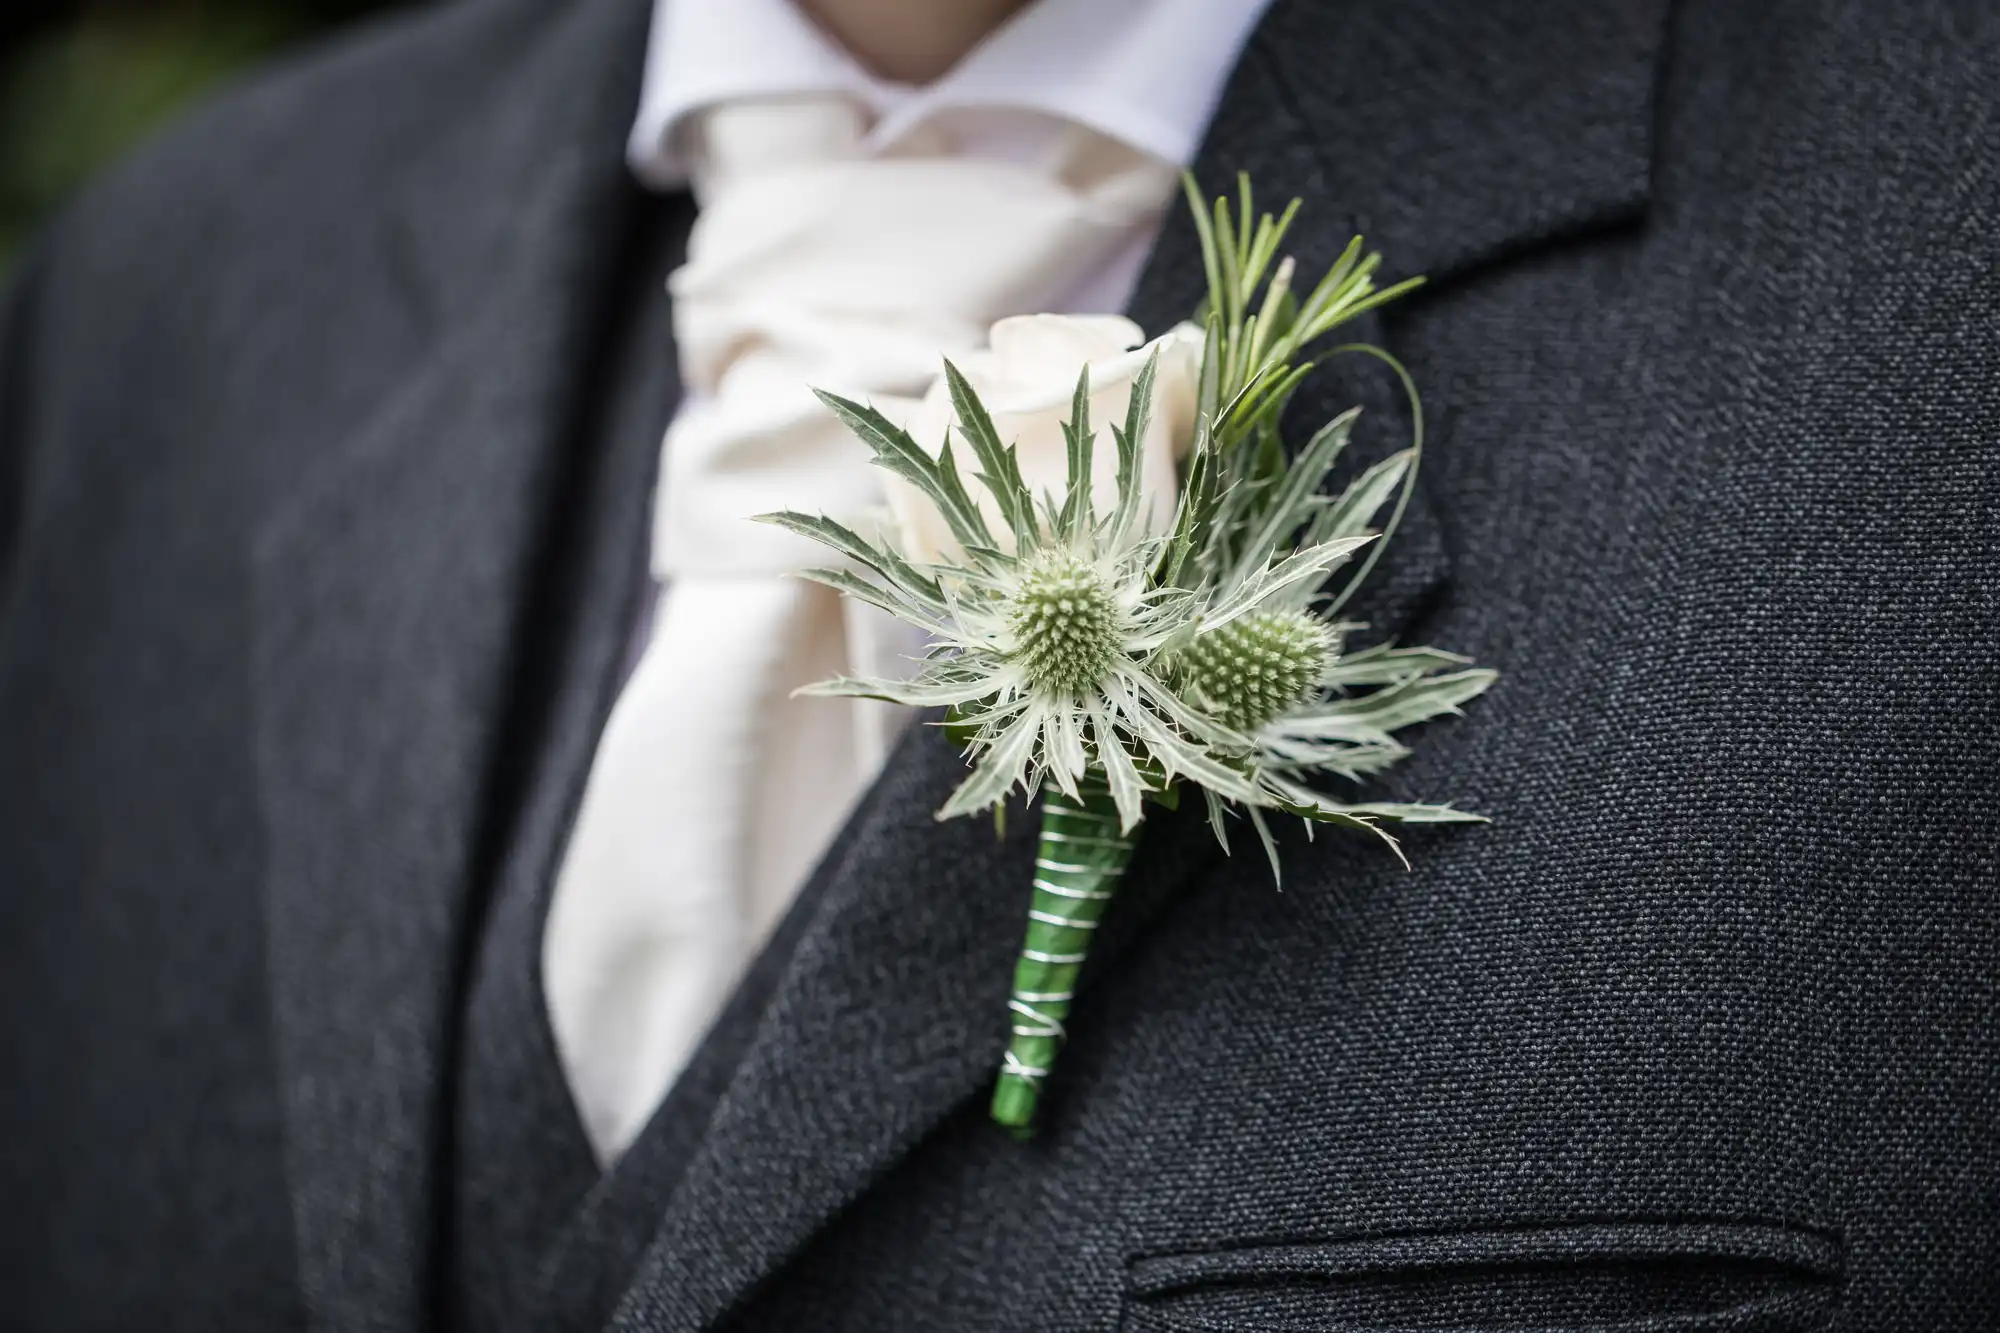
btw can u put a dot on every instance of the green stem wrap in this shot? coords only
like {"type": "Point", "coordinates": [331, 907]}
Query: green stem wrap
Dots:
{"type": "Point", "coordinates": [1077, 867]}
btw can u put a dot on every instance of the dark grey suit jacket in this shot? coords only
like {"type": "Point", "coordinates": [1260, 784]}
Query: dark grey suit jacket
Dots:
{"type": "Point", "coordinates": [326, 436]}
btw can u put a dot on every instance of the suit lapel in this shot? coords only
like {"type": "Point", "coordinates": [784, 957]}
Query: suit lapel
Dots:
{"type": "Point", "coordinates": [1445, 132]}
{"type": "Point", "coordinates": [390, 580]}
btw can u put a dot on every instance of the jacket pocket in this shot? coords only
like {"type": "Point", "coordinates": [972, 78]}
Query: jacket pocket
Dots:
{"type": "Point", "coordinates": [1604, 1277]}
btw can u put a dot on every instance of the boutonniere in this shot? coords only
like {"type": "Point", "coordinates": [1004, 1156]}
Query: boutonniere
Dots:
{"type": "Point", "coordinates": [1161, 618]}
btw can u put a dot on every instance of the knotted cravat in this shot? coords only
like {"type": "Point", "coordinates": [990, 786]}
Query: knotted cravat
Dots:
{"type": "Point", "coordinates": [813, 264]}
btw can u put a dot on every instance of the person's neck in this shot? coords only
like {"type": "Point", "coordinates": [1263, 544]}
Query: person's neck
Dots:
{"type": "Point", "coordinates": [909, 41]}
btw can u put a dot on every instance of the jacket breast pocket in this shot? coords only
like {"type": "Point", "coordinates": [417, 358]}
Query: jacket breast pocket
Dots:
{"type": "Point", "coordinates": [1604, 1277]}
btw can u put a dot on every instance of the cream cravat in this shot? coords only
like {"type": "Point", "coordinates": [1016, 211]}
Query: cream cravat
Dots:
{"type": "Point", "coordinates": [713, 791]}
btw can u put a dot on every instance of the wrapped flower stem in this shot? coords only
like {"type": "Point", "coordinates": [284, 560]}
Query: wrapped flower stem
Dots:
{"type": "Point", "coordinates": [1077, 867]}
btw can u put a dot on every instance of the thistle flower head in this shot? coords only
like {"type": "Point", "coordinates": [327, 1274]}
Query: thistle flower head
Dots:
{"type": "Point", "coordinates": [1249, 671]}
{"type": "Point", "coordinates": [1066, 623]}
{"type": "Point", "coordinates": [1045, 635]}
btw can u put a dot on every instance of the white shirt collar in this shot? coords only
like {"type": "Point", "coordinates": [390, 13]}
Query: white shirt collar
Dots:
{"type": "Point", "coordinates": [1145, 72]}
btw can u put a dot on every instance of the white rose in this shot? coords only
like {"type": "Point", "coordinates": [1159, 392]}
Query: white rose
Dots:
{"type": "Point", "coordinates": [1027, 378]}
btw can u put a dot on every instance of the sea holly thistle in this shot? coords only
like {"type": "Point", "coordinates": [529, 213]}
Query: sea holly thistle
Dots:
{"type": "Point", "coordinates": [1249, 504]}
{"type": "Point", "coordinates": [1074, 648]}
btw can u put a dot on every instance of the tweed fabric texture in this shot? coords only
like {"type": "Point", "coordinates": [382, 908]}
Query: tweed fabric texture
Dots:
{"type": "Point", "coordinates": [521, 1163]}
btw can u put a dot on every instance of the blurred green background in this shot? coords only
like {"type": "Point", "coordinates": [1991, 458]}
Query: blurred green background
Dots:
{"type": "Point", "coordinates": [81, 81]}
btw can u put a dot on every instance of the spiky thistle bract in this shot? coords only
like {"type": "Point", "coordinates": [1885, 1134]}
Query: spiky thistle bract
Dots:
{"type": "Point", "coordinates": [1047, 647]}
